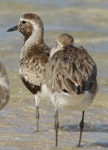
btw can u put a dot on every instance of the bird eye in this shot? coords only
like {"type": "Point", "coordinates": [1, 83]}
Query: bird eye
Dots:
{"type": "Point", "coordinates": [23, 22]}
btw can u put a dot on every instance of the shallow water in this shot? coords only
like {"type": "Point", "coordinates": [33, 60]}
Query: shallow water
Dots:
{"type": "Point", "coordinates": [87, 21]}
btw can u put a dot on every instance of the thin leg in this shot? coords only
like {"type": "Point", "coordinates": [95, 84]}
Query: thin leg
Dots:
{"type": "Point", "coordinates": [37, 118]}
{"type": "Point", "coordinates": [56, 118]}
{"type": "Point", "coordinates": [37, 112]}
{"type": "Point", "coordinates": [56, 126]}
{"type": "Point", "coordinates": [81, 128]}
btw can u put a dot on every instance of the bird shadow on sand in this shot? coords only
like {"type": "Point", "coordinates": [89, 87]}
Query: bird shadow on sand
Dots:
{"type": "Point", "coordinates": [100, 128]}
{"type": "Point", "coordinates": [87, 127]}
{"type": "Point", "coordinates": [101, 144]}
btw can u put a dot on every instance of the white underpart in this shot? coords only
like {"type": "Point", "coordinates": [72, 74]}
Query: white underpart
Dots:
{"type": "Point", "coordinates": [43, 95]}
{"type": "Point", "coordinates": [37, 100]}
{"type": "Point", "coordinates": [20, 71]}
{"type": "Point", "coordinates": [71, 102]}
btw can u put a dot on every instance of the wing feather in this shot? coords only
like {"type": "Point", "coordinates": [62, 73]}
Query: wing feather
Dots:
{"type": "Point", "coordinates": [71, 70]}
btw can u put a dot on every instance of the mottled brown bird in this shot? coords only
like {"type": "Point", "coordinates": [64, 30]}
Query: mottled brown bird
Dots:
{"type": "Point", "coordinates": [73, 83]}
{"type": "Point", "coordinates": [34, 57]}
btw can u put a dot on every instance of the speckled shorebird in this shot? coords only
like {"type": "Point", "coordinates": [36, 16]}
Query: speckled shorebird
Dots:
{"type": "Point", "coordinates": [73, 83]}
{"type": "Point", "coordinates": [4, 87]}
{"type": "Point", "coordinates": [34, 56]}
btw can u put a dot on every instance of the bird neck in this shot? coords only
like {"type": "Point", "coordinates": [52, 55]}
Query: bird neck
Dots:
{"type": "Point", "coordinates": [34, 40]}
{"type": "Point", "coordinates": [36, 37]}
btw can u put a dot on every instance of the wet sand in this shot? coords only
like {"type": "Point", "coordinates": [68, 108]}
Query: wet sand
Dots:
{"type": "Point", "coordinates": [18, 122]}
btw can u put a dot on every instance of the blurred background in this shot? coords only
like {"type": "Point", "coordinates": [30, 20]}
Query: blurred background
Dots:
{"type": "Point", "coordinates": [87, 22]}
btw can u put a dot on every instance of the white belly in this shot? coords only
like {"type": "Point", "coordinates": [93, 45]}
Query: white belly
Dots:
{"type": "Point", "coordinates": [71, 102]}
{"type": "Point", "coordinates": [43, 95]}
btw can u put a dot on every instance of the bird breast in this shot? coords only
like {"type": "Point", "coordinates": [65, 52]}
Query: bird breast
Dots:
{"type": "Point", "coordinates": [33, 70]}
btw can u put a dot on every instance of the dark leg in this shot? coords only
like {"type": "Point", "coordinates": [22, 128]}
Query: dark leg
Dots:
{"type": "Point", "coordinates": [37, 101]}
{"type": "Point", "coordinates": [37, 118]}
{"type": "Point", "coordinates": [81, 128]}
{"type": "Point", "coordinates": [56, 126]}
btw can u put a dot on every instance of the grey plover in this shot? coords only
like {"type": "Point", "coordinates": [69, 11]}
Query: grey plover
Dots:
{"type": "Point", "coordinates": [34, 57]}
{"type": "Point", "coordinates": [4, 87]}
{"type": "Point", "coordinates": [72, 73]}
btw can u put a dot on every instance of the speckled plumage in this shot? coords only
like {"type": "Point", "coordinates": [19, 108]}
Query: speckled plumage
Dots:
{"type": "Point", "coordinates": [72, 73]}
{"type": "Point", "coordinates": [34, 56]}
{"type": "Point", "coordinates": [34, 53]}
{"type": "Point", "coordinates": [33, 65]}
{"type": "Point", "coordinates": [4, 87]}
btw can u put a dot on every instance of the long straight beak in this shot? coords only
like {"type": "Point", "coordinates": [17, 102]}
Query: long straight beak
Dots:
{"type": "Point", "coordinates": [13, 29]}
